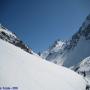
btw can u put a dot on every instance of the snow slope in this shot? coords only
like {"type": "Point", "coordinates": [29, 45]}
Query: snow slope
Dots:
{"type": "Point", "coordinates": [29, 72]}
{"type": "Point", "coordinates": [83, 66]}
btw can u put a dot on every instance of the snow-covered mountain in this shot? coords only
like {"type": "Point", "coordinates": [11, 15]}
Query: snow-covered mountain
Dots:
{"type": "Point", "coordinates": [71, 51]}
{"type": "Point", "coordinates": [10, 37]}
{"type": "Point", "coordinates": [57, 46]}
{"type": "Point", "coordinates": [83, 67]}
{"type": "Point", "coordinates": [54, 51]}
{"type": "Point", "coordinates": [25, 71]}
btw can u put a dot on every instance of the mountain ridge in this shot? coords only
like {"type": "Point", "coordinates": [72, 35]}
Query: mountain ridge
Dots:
{"type": "Point", "coordinates": [72, 49]}
{"type": "Point", "coordinates": [10, 37]}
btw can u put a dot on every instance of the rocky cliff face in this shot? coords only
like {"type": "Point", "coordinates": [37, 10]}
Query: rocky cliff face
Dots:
{"type": "Point", "coordinates": [10, 37]}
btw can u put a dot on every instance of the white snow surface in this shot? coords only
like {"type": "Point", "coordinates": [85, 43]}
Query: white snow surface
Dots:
{"type": "Point", "coordinates": [29, 72]}
{"type": "Point", "coordinates": [85, 64]}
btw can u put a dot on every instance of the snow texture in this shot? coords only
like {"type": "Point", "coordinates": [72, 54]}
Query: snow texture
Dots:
{"type": "Point", "coordinates": [29, 72]}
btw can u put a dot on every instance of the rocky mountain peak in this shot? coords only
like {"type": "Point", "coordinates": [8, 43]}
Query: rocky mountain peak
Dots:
{"type": "Point", "coordinates": [10, 37]}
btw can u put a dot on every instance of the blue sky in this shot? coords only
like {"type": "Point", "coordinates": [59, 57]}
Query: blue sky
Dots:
{"type": "Point", "coordinates": [40, 22]}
